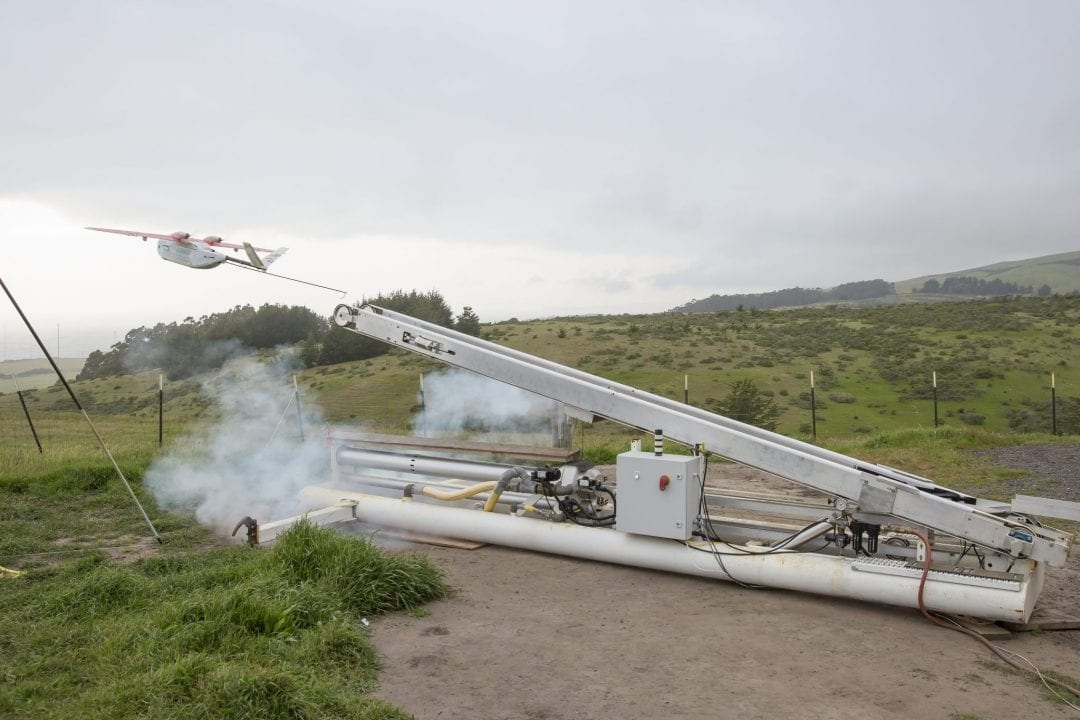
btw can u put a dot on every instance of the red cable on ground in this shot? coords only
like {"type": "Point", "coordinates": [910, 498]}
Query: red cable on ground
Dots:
{"type": "Point", "coordinates": [971, 633]}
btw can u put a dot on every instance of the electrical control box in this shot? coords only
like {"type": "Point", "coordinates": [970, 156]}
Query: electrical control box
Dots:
{"type": "Point", "coordinates": [658, 495]}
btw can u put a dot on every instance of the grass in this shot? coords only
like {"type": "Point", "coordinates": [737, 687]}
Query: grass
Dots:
{"type": "Point", "coordinates": [194, 630]}
{"type": "Point", "coordinates": [34, 373]}
{"type": "Point", "coordinates": [1058, 695]}
{"type": "Point", "coordinates": [226, 633]}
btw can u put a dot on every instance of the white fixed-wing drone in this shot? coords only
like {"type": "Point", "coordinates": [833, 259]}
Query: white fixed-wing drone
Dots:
{"type": "Point", "coordinates": [181, 248]}
{"type": "Point", "coordinates": [205, 253]}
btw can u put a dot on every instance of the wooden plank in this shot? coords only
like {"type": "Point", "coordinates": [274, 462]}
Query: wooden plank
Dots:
{"type": "Point", "coordinates": [1045, 620]}
{"type": "Point", "coordinates": [985, 628]}
{"type": "Point", "coordinates": [523, 452]}
{"type": "Point", "coordinates": [1032, 505]}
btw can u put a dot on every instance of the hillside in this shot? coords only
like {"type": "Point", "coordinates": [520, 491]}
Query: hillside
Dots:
{"type": "Point", "coordinates": [993, 360]}
{"type": "Point", "coordinates": [35, 373]}
{"type": "Point", "coordinates": [1061, 272]}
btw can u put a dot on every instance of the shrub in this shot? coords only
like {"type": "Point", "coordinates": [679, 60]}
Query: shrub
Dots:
{"type": "Point", "coordinates": [746, 403]}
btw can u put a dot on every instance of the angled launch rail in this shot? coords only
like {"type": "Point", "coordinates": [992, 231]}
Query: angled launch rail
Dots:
{"type": "Point", "coordinates": [876, 489]}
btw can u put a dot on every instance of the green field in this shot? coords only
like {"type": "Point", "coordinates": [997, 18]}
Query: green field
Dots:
{"type": "Point", "coordinates": [35, 373]}
{"type": "Point", "coordinates": [872, 369]}
{"type": "Point", "coordinates": [1061, 272]}
{"type": "Point", "coordinates": [872, 366]}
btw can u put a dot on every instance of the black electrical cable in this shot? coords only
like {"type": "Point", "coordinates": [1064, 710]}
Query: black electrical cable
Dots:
{"type": "Point", "coordinates": [571, 507]}
{"type": "Point", "coordinates": [704, 508]}
{"type": "Point", "coordinates": [771, 550]}
{"type": "Point", "coordinates": [719, 555]}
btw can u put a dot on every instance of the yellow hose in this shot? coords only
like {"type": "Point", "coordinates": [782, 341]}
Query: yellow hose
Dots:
{"type": "Point", "coordinates": [492, 499]}
{"type": "Point", "coordinates": [459, 494]}
{"type": "Point", "coordinates": [5, 571]}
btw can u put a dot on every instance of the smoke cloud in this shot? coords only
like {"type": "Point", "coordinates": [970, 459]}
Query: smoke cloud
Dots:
{"type": "Point", "coordinates": [251, 461]}
{"type": "Point", "coordinates": [458, 402]}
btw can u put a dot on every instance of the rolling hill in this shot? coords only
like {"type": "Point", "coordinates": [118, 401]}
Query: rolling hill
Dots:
{"type": "Point", "coordinates": [35, 373]}
{"type": "Point", "coordinates": [1061, 272]}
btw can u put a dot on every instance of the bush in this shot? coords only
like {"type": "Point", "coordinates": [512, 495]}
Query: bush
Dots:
{"type": "Point", "coordinates": [746, 403]}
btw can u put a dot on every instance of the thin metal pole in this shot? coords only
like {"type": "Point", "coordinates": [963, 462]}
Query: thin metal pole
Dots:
{"type": "Point", "coordinates": [1053, 405]}
{"type": "Point", "coordinates": [935, 399]}
{"type": "Point", "coordinates": [813, 408]}
{"type": "Point", "coordinates": [160, 409]}
{"type": "Point", "coordinates": [75, 399]}
{"type": "Point", "coordinates": [292, 399]}
{"type": "Point", "coordinates": [686, 389]}
{"type": "Point", "coordinates": [299, 413]}
{"type": "Point", "coordinates": [26, 411]}
{"type": "Point", "coordinates": [423, 409]}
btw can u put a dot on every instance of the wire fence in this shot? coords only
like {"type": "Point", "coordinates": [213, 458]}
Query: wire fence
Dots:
{"type": "Point", "coordinates": [30, 424]}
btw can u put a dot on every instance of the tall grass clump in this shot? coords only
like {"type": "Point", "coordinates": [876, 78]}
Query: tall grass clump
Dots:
{"type": "Point", "coordinates": [368, 579]}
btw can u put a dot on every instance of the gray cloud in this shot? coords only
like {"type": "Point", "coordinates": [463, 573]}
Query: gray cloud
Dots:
{"type": "Point", "coordinates": [755, 144]}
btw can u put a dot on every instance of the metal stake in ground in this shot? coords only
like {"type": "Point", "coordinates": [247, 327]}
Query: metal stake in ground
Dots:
{"type": "Point", "coordinates": [423, 409]}
{"type": "Point", "coordinates": [75, 399]}
{"type": "Point", "coordinates": [160, 408]}
{"type": "Point", "coordinates": [299, 413]}
{"type": "Point", "coordinates": [1053, 405]}
{"type": "Point", "coordinates": [813, 408]}
{"type": "Point", "coordinates": [26, 411]}
{"type": "Point", "coordinates": [935, 398]}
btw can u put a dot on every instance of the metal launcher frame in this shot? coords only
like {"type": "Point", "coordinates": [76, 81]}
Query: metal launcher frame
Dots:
{"type": "Point", "coordinates": [877, 533]}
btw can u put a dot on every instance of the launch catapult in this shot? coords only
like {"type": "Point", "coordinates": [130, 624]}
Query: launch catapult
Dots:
{"type": "Point", "coordinates": [878, 534]}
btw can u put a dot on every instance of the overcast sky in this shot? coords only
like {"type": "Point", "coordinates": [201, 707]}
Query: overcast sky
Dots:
{"type": "Point", "coordinates": [527, 159]}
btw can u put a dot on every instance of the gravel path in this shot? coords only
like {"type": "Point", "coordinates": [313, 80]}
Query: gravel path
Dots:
{"type": "Point", "coordinates": [1050, 470]}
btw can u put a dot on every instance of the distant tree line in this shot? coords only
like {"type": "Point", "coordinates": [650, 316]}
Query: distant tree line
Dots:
{"type": "Point", "coordinates": [329, 344]}
{"type": "Point", "coordinates": [978, 287]}
{"type": "Point", "coordinates": [184, 349]}
{"type": "Point", "coordinates": [791, 297]}
{"type": "Point", "coordinates": [193, 346]}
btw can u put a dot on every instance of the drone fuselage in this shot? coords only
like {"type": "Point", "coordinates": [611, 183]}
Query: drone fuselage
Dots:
{"type": "Point", "coordinates": [191, 254]}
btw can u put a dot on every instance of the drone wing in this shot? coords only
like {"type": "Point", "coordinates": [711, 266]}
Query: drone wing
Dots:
{"type": "Point", "coordinates": [180, 237]}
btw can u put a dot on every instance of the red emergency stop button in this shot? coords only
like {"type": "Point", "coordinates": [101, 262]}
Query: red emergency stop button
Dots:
{"type": "Point", "coordinates": [664, 482]}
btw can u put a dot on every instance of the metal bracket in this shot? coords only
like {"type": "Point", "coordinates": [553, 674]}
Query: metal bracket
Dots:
{"type": "Point", "coordinates": [877, 496]}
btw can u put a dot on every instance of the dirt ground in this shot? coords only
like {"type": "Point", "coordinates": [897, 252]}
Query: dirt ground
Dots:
{"type": "Point", "coordinates": [537, 636]}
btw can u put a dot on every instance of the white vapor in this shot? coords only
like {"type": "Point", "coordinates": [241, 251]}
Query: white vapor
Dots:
{"type": "Point", "coordinates": [249, 462]}
{"type": "Point", "coordinates": [457, 402]}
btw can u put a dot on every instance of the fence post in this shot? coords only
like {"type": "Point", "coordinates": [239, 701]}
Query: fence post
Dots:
{"type": "Point", "coordinates": [423, 409]}
{"type": "Point", "coordinates": [813, 408]}
{"type": "Point", "coordinates": [686, 389]}
{"type": "Point", "coordinates": [935, 398]}
{"type": "Point", "coordinates": [299, 412]}
{"type": "Point", "coordinates": [26, 411]}
{"type": "Point", "coordinates": [160, 408]}
{"type": "Point", "coordinates": [1053, 405]}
